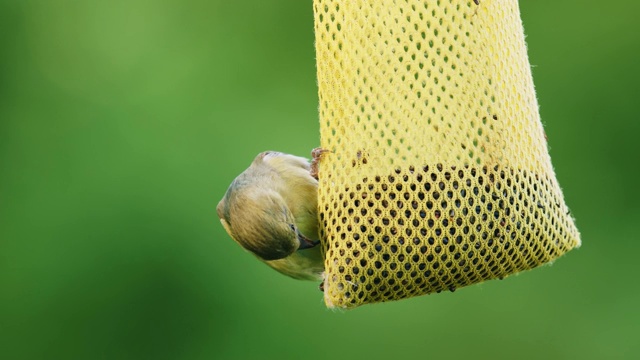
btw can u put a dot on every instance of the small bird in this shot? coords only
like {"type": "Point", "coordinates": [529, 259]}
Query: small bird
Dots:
{"type": "Point", "coordinates": [271, 210]}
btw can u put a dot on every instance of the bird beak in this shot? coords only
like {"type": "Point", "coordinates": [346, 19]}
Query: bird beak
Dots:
{"type": "Point", "coordinates": [305, 242]}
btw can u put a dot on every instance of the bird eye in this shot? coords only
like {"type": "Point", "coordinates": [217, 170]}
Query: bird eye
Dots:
{"type": "Point", "coordinates": [292, 227]}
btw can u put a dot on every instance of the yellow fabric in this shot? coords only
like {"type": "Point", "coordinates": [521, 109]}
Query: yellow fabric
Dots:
{"type": "Point", "coordinates": [439, 175]}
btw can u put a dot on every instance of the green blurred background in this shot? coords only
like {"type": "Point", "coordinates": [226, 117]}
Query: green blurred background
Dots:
{"type": "Point", "coordinates": [123, 122]}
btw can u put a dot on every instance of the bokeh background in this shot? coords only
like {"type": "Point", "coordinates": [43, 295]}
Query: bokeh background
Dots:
{"type": "Point", "coordinates": [123, 122]}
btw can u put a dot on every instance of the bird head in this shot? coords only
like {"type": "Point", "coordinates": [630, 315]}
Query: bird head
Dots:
{"type": "Point", "coordinates": [261, 222]}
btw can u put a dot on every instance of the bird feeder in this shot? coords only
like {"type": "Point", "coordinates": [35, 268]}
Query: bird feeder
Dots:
{"type": "Point", "coordinates": [438, 174]}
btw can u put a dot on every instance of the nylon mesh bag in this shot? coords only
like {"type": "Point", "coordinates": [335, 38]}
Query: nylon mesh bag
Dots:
{"type": "Point", "coordinates": [438, 174]}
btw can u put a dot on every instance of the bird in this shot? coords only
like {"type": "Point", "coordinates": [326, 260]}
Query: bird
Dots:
{"type": "Point", "coordinates": [270, 210]}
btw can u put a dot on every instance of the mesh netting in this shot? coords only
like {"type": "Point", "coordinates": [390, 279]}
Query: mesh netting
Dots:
{"type": "Point", "coordinates": [439, 174]}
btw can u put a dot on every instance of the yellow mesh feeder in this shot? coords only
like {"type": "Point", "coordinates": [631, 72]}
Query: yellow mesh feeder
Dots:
{"type": "Point", "coordinates": [438, 174]}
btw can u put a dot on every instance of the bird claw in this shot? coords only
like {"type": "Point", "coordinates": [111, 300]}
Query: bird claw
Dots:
{"type": "Point", "coordinates": [316, 155]}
